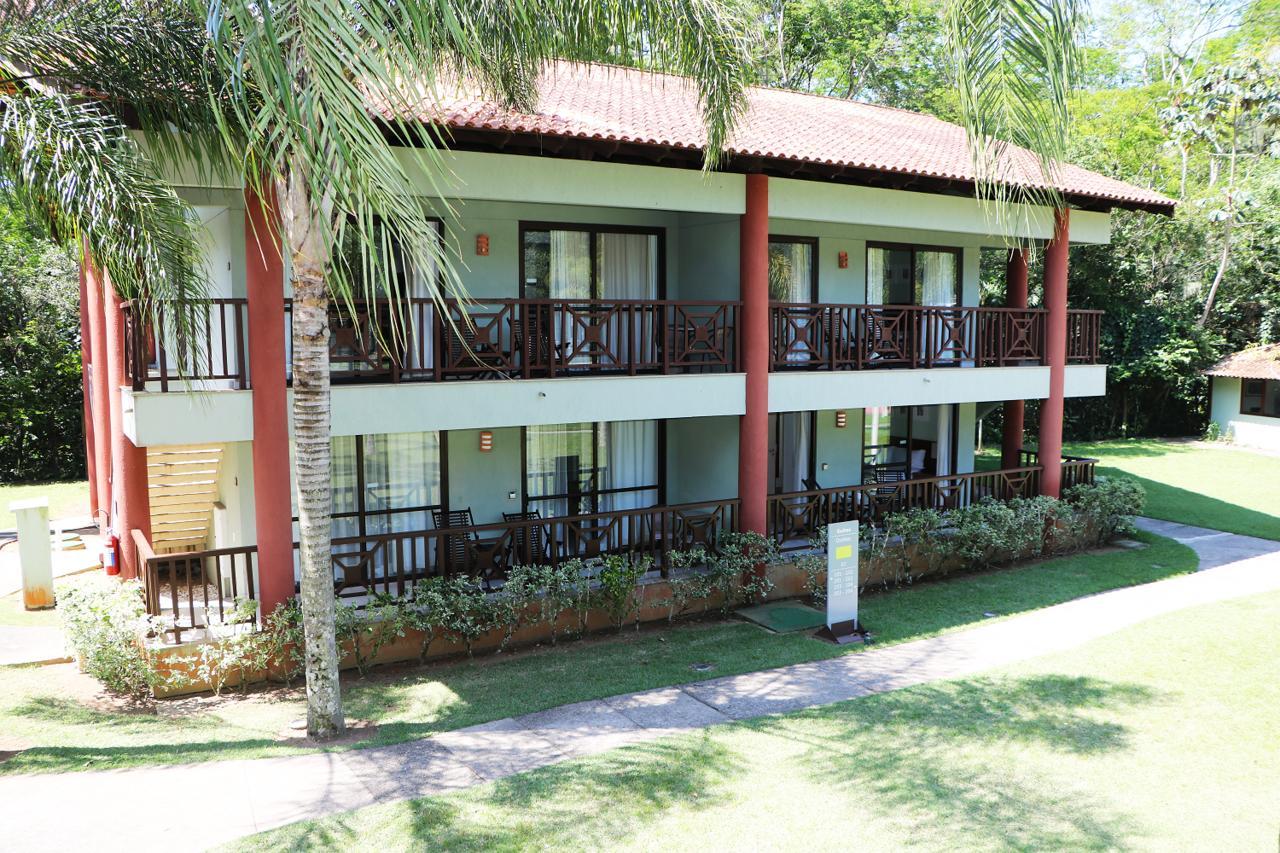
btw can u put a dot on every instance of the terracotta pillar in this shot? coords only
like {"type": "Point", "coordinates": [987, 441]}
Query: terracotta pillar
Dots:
{"type": "Point", "coordinates": [1055, 342]}
{"type": "Point", "coordinates": [264, 283]}
{"type": "Point", "coordinates": [130, 505]}
{"type": "Point", "coordinates": [1015, 288]}
{"type": "Point", "coordinates": [99, 400]}
{"type": "Point", "coordinates": [86, 393]}
{"type": "Point", "coordinates": [753, 332]}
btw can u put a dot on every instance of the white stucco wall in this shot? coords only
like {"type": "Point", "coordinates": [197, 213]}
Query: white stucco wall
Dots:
{"type": "Point", "coordinates": [1245, 430]}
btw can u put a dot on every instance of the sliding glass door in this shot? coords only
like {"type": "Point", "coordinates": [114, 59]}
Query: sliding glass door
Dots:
{"type": "Point", "coordinates": [908, 442]}
{"type": "Point", "coordinates": [912, 275]}
{"type": "Point", "coordinates": [791, 451]}
{"type": "Point", "coordinates": [586, 468]}
{"type": "Point", "coordinates": [591, 262]}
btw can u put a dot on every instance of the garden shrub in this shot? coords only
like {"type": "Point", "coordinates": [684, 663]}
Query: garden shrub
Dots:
{"type": "Point", "coordinates": [687, 582]}
{"type": "Point", "coordinates": [916, 542]}
{"type": "Point", "coordinates": [104, 621]}
{"type": "Point", "coordinates": [618, 592]}
{"type": "Point", "coordinates": [366, 630]}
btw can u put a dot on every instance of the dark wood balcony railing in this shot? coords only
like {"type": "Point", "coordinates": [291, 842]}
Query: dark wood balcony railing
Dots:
{"type": "Point", "coordinates": [1084, 336]}
{"type": "Point", "coordinates": [543, 338]}
{"type": "Point", "coordinates": [152, 350]}
{"type": "Point", "coordinates": [192, 589]}
{"type": "Point", "coordinates": [809, 336]}
{"type": "Point", "coordinates": [1075, 469]}
{"type": "Point", "coordinates": [486, 339]}
{"type": "Point", "coordinates": [794, 517]}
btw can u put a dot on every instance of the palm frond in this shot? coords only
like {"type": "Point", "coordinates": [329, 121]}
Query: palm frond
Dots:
{"type": "Point", "coordinates": [1015, 63]}
{"type": "Point", "coordinates": [76, 170]}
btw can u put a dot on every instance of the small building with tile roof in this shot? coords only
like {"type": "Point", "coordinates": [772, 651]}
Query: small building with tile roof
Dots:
{"type": "Point", "coordinates": [1244, 396]}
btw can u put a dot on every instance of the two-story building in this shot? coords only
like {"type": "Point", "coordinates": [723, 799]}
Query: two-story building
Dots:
{"type": "Point", "coordinates": [650, 354]}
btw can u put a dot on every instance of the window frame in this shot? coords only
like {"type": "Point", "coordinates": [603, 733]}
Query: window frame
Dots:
{"type": "Point", "coordinates": [914, 249]}
{"type": "Point", "coordinates": [595, 494]}
{"type": "Point", "coordinates": [1262, 397]}
{"type": "Point", "coordinates": [594, 230]}
{"type": "Point", "coordinates": [813, 267]}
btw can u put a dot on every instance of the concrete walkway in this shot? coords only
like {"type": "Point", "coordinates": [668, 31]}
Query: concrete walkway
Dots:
{"type": "Point", "coordinates": [1214, 547]}
{"type": "Point", "coordinates": [217, 801]}
{"type": "Point", "coordinates": [31, 645]}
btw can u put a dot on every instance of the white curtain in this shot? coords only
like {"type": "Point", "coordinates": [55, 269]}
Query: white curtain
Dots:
{"type": "Point", "coordinates": [559, 460]}
{"type": "Point", "coordinates": [876, 276]}
{"type": "Point", "coordinates": [793, 451]}
{"type": "Point", "coordinates": [632, 454]}
{"type": "Point", "coordinates": [401, 470]}
{"type": "Point", "coordinates": [935, 278]}
{"type": "Point", "coordinates": [942, 448]}
{"type": "Point", "coordinates": [628, 269]}
{"type": "Point", "coordinates": [423, 280]}
{"type": "Point", "coordinates": [570, 265]}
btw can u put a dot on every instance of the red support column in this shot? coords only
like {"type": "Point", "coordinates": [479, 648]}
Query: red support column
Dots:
{"type": "Point", "coordinates": [86, 393]}
{"type": "Point", "coordinates": [753, 429]}
{"type": "Point", "coordinates": [264, 281]}
{"type": "Point", "coordinates": [99, 398]}
{"type": "Point", "coordinates": [1015, 285]}
{"type": "Point", "coordinates": [130, 505]}
{"type": "Point", "coordinates": [1055, 341]}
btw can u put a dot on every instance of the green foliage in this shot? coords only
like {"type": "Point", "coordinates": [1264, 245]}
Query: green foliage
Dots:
{"type": "Point", "coordinates": [814, 565]}
{"type": "Point", "coordinates": [280, 642]}
{"type": "Point", "coordinates": [918, 543]}
{"type": "Point", "coordinates": [467, 614]}
{"type": "Point", "coordinates": [104, 621]}
{"type": "Point", "coordinates": [41, 419]}
{"type": "Point", "coordinates": [618, 592]}
{"type": "Point", "coordinates": [366, 630]}
{"type": "Point", "coordinates": [688, 582]}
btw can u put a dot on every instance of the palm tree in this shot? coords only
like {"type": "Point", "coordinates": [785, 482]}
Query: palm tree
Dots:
{"type": "Point", "coordinates": [280, 92]}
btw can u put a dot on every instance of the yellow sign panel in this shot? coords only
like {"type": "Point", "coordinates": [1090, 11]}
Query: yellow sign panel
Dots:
{"type": "Point", "coordinates": [844, 552]}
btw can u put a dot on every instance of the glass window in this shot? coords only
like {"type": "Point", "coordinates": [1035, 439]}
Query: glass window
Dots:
{"type": "Point", "coordinates": [791, 460]}
{"type": "Point", "coordinates": [909, 441]}
{"type": "Point", "coordinates": [584, 468]}
{"type": "Point", "coordinates": [1260, 397]}
{"type": "Point", "coordinates": [905, 275]}
{"type": "Point", "coordinates": [791, 269]}
{"type": "Point", "coordinates": [562, 264]}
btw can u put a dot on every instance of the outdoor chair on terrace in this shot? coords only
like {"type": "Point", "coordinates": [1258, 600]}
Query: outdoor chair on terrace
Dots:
{"type": "Point", "coordinates": [465, 552]}
{"type": "Point", "coordinates": [528, 542]}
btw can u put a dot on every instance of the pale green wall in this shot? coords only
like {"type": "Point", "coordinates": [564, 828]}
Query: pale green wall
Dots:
{"type": "Point", "coordinates": [498, 273]}
{"type": "Point", "coordinates": [966, 437]}
{"type": "Point", "coordinates": [1247, 430]}
{"type": "Point", "coordinates": [702, 459]}
{"type": "Point", "coordinates": [235, 492]}
{"type": "Point", "coordinates": [708, 257]}
{"type": "Point", "coordinates": [839, 449]}
{"type": "Point", "coordinates": [482, 481]}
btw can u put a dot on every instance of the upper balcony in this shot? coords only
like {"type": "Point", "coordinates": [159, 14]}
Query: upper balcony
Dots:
{"type": "Point", "coordinates": [558, 338]}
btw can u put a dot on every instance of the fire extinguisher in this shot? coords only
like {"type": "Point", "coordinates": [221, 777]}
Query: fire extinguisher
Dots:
{"type": "Point", "coordinates": [111, 554]}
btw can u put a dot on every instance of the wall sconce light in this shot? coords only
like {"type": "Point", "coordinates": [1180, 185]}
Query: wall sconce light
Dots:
{"type": "Point", "coordinates": [842, 419]}
{"type": "Point", "coordinates": [842, 260]}
{"type": "Point", "coordinates": [486, 441]}
{"type": "Point", "coordinates": [482, 244]}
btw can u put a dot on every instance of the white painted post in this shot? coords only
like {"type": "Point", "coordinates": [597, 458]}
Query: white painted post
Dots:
{"type": "Point", "coordinates": [34, 552]}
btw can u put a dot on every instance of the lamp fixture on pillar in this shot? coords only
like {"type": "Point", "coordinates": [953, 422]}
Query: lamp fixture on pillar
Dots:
{"type": "Point", "coordinates": [482, 244]}
{"type": "Point", "coordinates": [486, 441]}
{"type": "Point", "coordinates": [842, 260]}
{"type": "Point", "coordinates": [842, 419]}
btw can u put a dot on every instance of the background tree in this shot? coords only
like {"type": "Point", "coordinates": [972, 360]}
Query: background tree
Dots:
{"type": "Point", "coordinates": [41, 434]}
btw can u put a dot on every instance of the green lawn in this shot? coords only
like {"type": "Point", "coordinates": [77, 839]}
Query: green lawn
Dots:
{"type": "Point", "coordinates": [12, 614]}
{"type": "Point", "coordinates": [64, 734]}
{"type": "Point", "coordinates": [65, 499]}
{"type": "Point", "coordinates": [1219, 487]}
{"type": "Point", "coordinates": [1162, 736]}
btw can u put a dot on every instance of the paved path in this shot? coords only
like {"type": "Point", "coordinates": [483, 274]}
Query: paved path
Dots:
{"type": "Point", "coordinates": [218, 801]}
{"type": "Point", "coordinates": [64, 562]}
{"type": "Point", "coordinates": [30, 645]}
{"type": "Point", "coordinates": [1214, 547]}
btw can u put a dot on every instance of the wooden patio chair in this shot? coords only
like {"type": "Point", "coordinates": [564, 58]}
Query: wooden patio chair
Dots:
{"type": "Point", "coordinates": [464, 551]}
{"type": "Point", "coordinates": [528, 542]}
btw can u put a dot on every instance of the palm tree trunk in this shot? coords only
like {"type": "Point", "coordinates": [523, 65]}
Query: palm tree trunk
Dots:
{"type": "Point", "coordinates": [312, 459]}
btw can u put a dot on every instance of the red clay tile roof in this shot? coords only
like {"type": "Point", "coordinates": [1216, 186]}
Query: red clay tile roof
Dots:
{"type": "Point", "coordinates": [609, 103]}
{"type": "Point", "coordinates": [1260, 362]}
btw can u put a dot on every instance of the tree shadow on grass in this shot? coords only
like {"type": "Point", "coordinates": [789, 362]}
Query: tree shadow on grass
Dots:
{"type": "Point", "coordinates": [1183, 506]}
{"type": "Point", "coordinates": [926, 757]}
{"type": "Point", "coordinates": [592, 802]}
